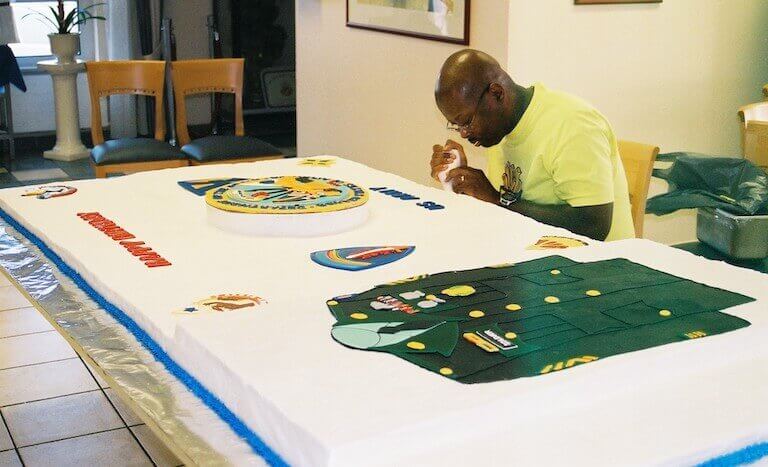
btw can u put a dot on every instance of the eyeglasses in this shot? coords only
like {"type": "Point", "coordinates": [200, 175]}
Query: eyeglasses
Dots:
{"type": "Point", "coordinates": [465, 127]}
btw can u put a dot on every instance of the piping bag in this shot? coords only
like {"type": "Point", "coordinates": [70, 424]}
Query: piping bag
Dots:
{"type": "Point", "coordinates": [457, 162]}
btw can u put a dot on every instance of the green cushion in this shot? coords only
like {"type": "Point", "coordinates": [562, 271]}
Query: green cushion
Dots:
{"type": "Point", "coordinates": [125, 150]}
{"type": "Point", "coordinates": [223, 147]}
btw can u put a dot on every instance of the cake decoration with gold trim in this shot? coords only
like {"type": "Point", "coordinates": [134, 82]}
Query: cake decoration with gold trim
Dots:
{"type": "Point", "coordinates": [287, 195]}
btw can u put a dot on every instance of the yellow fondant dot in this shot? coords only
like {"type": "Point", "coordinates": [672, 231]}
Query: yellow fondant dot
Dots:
{"type": "Point", "coordinates": [665, 313]}
{"type": "Point", "coordinates": [332, 302]}
{"type": "Point", "coordinates": [513, 307]}
{"type": "Point", "coordinates": [358, 316]}
{"type": "Point", "coordinates": [430, 297]}
{"type": "Point", "coordinates": [593, 293]}
{"type": "Point", "coordinates": [555, 272]}
{"type": "Point", "coordinates": [459, 291]}
{"type": "Point", "coordinates": [416, 345]}
{"type": "Point", "coordinates": [476, 314]}
{"type": "Point", "coordinates": [551, 299]}
{"type": "Point", "coordinates": [510, 335]}
{"type": "Point", "coordinates": [446, 371]}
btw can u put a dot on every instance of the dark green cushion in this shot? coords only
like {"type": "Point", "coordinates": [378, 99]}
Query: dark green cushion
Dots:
{"type": "Point", "coordinates": [125, 150]}
{"type": "Point", "coordinates": [223, 147]}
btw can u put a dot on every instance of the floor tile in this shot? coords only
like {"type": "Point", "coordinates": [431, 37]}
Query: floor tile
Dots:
{"type": "Point", "coordinates": [22, 321]}
{"type": "Point", "coordinates": [116, 447]}
{"type": "Point", "coordinates": [7, 181]}
{"type": "Point", "coordinates": [4, 281]}
{"type": "Point", "coordinates": [129, 416]}
{"type": "Point", "coordinates": [161, 455]}
{"type": "Point", "coordinates": [9, 459]}
{"type": "Point", "coordinates": [39, 174]}
{"type": "Point", "coordinates": [59, 418]}
{"type": "Point", "coordinates": [35, 161]}
{"type": "Point", "coordinates": [32, 349]}
{"type": "Point", "coordinates": [102, 382]}
{"type": "Point", "coordinates": [77, 169]}
{"type": "Point", "coordinates": [5, 438]}
{"type": "Point", "coordinates": [10, 298]}
{"type": "Point", "coordinates": [43, 381]}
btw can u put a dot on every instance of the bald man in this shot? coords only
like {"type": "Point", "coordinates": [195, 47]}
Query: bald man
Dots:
{"type": "Point", "coordinates": [551, 156]}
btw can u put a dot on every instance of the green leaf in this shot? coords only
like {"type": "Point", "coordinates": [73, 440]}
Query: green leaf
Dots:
{"type": "Point", "coordinates": [92, 6]}
{"type": "Point", "coordinates": [40, 17]}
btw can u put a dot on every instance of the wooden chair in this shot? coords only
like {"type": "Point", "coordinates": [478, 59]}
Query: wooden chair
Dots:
{"type": "Point", "coordinates": [221, 75]}
{"type": "Point", "coordinates": [638, 160]}
{"type": "Point", "coordinates": [754, 133]}
{"type": "Point", "coordinates": [128, 155]}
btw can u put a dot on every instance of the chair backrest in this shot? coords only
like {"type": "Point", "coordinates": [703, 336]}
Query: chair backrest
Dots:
{"type": "Point", "coordinates": [752, 113]}
{"type": "Point", "coordinates": [757, 111]}
{"type": "Point", "coordinates": [756, 143]}
{"type": "Point", "coordinates": [143, 77]}
{"type": "Point", "coordinates": [217, 75]}
{"type": "Point", "coordinates": [638, 160]}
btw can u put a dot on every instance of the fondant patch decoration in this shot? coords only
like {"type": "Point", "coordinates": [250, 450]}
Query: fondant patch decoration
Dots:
{"type": "Point", "coordinates": [360, 258]}
{"type": "Point", "coordinates": [317, 162]}
{"type": "Point", "coordinates": [287, 195]}
{"type": "Point", "coordinates": [222, 303]}
{"type": "Point", "coordinates": [50, 191]}
{"type": "Point", "coordinates": [200, 187]}
{"type": "Point", "coordinates": [532, 318]}
{"type": "Point", "coordinates": [556, 243]}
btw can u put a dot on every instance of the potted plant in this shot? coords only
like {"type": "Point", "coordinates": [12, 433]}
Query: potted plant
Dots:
{"type": "Point", "coordinates": [65, 43]}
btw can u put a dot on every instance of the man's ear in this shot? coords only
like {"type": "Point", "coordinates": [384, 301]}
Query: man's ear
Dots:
{"type": "Point", "coordinates": [497, 91]}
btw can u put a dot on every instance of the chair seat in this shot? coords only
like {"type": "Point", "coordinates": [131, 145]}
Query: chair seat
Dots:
{"type": "Point", "coordinates": [126, 150]}
{"type": "Point", "coordinates": [224, 147]}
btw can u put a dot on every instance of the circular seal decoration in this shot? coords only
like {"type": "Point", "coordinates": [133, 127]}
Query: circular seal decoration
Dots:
{"type": "Point", "coordinates": [287, 195]}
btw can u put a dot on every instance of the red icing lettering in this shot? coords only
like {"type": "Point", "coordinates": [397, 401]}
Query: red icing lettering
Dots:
{"type": "Point", "coordinates": [147, 255]}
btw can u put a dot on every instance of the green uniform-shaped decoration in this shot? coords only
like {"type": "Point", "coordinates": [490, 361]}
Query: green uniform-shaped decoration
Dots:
{"type": "Point", "coordinates": [532, 318]}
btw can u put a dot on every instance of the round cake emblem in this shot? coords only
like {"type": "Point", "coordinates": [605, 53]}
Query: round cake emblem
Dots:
{"type": "Point", "coordinates": [287, 195]}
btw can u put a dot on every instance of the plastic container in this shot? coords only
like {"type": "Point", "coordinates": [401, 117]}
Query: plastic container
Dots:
{"type": "Point", "coordinates": [740, 237]}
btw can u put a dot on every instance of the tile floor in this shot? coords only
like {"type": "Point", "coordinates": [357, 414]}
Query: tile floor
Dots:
{"type": "Point", "coordinates": [53, 410]}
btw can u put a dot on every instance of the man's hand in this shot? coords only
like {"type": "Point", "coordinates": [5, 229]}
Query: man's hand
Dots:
{"type": "Point", "coordinates": [442, 157]}
{"type": "Point", "coordinates": [473, 182]}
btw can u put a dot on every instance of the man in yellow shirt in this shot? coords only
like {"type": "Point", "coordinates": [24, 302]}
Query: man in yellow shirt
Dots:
{"type": "Point", "coordinates": [551, 156]}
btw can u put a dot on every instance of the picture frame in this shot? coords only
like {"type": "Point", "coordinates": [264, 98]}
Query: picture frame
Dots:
{"type": "Point", "coordinates": [612, 2]}
{"type": "Point", "coordinates": [279, 86]}
{"type": "Point", "coordinates": [437, 20]}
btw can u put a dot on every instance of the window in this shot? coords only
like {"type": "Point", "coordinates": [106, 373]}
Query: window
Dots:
{"type": "Point", "coordinates": [33, 31]}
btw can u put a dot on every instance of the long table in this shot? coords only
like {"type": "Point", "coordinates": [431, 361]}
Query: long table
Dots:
{"type": "Point", "coordinates": [294, 395]}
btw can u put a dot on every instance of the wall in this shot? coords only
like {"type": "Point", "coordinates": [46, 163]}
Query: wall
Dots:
{"type": "Point", "coordinates": [672, 74]}
{"type": "Point", "coordinates": [367, 95]}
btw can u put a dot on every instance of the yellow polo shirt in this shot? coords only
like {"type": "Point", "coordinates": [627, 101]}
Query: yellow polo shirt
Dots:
{"type": "Point", "coordinates": [567, 154]}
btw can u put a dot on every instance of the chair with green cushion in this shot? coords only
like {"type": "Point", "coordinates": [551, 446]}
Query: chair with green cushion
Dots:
{"type": "Point", "coordinates": [222, 75]}
{"type": "Point", "coordinates": [127, 155]}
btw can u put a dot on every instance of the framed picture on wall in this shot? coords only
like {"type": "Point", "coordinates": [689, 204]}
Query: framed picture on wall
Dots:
{"type": "Point", "coordinates": [279, 87]}
{"type": "Point", "coordinates": [438, 20]}
{"type": "Point", "coordinates": [611, 2]}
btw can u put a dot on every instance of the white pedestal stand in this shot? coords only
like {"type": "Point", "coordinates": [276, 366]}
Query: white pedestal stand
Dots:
{"type": "Point", "coordinates": [68, 146]}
